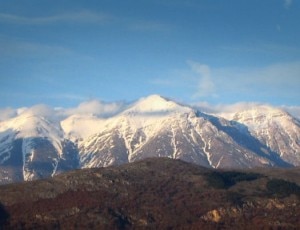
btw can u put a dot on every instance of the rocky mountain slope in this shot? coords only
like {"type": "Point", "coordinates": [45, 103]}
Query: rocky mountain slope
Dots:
{"type": "Point", "coordinates": [34, 146]}
{"type": "Point", "coordinates": [156, 193]}
{"type": "Point", "coordinates": [275, 128]}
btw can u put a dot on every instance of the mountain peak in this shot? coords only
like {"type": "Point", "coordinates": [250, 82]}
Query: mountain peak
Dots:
{"type": "Point", "coordinates": [260, 111]}
{"type": "Point", "coordinates": [156, 104]}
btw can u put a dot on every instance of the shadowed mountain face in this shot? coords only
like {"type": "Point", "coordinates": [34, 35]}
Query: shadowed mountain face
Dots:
{"type": "Point", "coordinates": [158, 193]}
{"type": "Point", "coordinates": [34, 147]}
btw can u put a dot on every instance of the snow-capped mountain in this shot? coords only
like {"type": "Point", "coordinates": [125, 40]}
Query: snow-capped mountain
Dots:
{"type": "Point", "coordinates": [277, 129]}
{"type": "Point", "coordinates": [156, 127]}
{"type": "Point", "coordinates": [34, 146]}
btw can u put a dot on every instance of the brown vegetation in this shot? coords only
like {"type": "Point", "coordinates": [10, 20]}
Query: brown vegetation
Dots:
{"type": "Point", "coordinates": [154, 193]}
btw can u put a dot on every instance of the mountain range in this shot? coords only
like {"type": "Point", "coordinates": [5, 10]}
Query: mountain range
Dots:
{"type": "Point", "coordinates": [33, 146]}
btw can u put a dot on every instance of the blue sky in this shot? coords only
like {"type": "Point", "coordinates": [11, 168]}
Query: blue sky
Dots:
{"type": "Point", "coordinates": [62, 53]}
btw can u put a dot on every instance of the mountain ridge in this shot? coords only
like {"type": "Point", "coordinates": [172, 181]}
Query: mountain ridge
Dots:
{"type": "Point", "coordinates": [151, 127]}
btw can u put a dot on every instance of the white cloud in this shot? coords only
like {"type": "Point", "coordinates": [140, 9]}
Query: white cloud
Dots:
{"type": "Point", "coordinates": [225, 110]}
{"type": "Point", "coordinates": [205, 84]}
{"type": "Point", "coordinates": [96, 107]}
{"type": "Point", "coordinates": [272, 83]}
{"type": "Point", "coordinates": [39, 110]}
{"type": "Point", "coordinates": [76, 17]}
{"type": "Point", "coordinates": [228, 110]}
{"type": "Point", "coordinates": [293, 110]}
{"type": "Point", "coordinates": [106, 110]}
{"type": "Point", "coordinates": [275, 84]}
{"type": "Point", "coordinates": [288, 3]}
{"type": "Point", "coordinates": [6, 113]}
